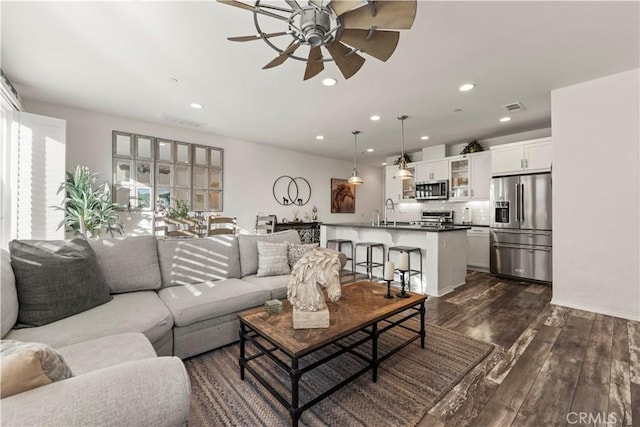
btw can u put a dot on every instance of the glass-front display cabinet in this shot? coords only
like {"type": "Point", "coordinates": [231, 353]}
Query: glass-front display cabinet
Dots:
{"type": "Point", "coordinates": [459, 178]}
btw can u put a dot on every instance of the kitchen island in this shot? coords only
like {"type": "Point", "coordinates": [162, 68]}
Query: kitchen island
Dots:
{"type": "Point", "coordinates": [444, 251]}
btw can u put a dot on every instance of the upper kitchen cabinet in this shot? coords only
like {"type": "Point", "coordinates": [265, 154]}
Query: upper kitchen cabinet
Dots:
{"type": "Point", "coordinates": [522, 157]}
{"type": "Point", "coordinates": [480, 181]}
{"type": "Point", "coordinates": [400, 190]}
{"type": "Point", "coordinates": [459, 180]}
{"type": "Point", "coordinates": [432, 170]}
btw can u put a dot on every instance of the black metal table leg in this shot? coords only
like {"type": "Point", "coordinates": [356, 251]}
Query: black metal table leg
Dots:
{"type": "Point", "coordinates": [295, 378]}
{"type": "Point", "coordinates": [242, 359]}
{"type": "Point", "coordinates": [374, 352]}
{"type": "Point", "coordinates": [422, 331]}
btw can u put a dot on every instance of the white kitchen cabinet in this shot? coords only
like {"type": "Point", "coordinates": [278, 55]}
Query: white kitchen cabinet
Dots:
{"type": "Point", "coordinates": [400, 190]}
{"type": "Point", "coordinates": [522, 157]}
{"type": "Point", "coordinates": [392, 187]}
{"type": "Point", "coordinates": [480, 181]}
{"type": "Point", "coordinates": [432, 170]}
{"type": "Point", "coordinates": [538, 155]}
{"type": "Point", "coordinates": [478, 247]}
{"type": "Point", "coordinates": [459, 179]}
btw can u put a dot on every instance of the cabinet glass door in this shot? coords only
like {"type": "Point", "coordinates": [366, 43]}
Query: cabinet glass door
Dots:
{"type": "Point", "coordinates": [459, 178]}
{"type": "Point", "coordinates": [409, 185]}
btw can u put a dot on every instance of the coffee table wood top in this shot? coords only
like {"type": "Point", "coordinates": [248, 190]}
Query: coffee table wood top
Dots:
{"type": "Point", "coordinates": [361, 304]}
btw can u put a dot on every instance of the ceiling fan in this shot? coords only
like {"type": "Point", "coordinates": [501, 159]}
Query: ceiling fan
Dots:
{"type": "Point", "coordinates": [344, 28]}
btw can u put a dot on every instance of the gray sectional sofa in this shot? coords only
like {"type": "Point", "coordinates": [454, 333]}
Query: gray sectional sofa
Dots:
{"type": "Point", "coordinates": [182, 295]}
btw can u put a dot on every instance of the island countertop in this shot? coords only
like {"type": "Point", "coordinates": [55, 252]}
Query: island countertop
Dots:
{"type": "Point", "coordinates": [399, 226]}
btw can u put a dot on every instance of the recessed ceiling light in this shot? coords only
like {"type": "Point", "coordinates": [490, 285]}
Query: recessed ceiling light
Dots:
{"type": "Point", "coordinates": [195, 105]}
{"type": "Point", "coordinates": [457, 110]}
{"type": "Point", "coordinates": [329, 82]}
{"type": "Point", "coordinates": [384, 163]}
{"type": "Point", "coordinates": [424, 138]}
{"type": "Point", "coordinates": [369, 150]}
{"type": "Point", "coordinates": [505, 119]}
{"type": "Point", "coordinates": [466, 87]}
{"type": "Point", "coordinates": [320, 137]}
{"type": "Point", "coordinates": [375, 117]}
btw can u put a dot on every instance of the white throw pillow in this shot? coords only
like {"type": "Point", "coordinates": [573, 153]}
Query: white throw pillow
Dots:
{"type": "Point", "coordinates": [272, 259]}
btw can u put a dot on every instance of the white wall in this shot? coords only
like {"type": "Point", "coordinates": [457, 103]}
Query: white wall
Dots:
{"type": "Point", "coordinates": [249, 173]}
{"type": "Point", "coordinates": [596, 195]}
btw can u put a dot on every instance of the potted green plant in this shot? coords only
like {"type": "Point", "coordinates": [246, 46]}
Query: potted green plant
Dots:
{"type": "Point", "coordinates": [88, 209]}
{"type": "Point", "coordinates": [407, 159]}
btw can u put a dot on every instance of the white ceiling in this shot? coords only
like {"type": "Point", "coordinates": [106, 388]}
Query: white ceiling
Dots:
{"type": "Point", "coordinates": [119, 58]}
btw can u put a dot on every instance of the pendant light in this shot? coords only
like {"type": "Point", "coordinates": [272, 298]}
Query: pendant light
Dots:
{"type": "Point", "coordinates": [355, 179]}
{"type": "Point", "coordinates": [402, 172]}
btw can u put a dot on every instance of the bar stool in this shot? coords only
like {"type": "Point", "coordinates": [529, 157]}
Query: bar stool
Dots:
{"type": "Point", "coordinates": [339, 243]}
{"type": "Point", "coordinates": [409, 250]}
{"type": "Point", "coordinates": [369, 264]}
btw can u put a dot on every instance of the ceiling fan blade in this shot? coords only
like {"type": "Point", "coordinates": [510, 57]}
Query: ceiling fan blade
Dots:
{"type": "Point", "coordinates": [390, 15]}
{"type": "Point", "coordinates": [256, 37]}
{"type": "Point", "coordinates": [341, 6]}
{"type": "Point", "coordinates": [314, 63]}
{"type": "Point", "coordinates": [293, 4]}
{"type": "Point", "coordinates": [283, 56]}
{"type": "Point", "coordinates": [381, 45]}
{"type": "Point", "coordinates": [252, 8]}
{"type": "Point", "coordinates": [348, 65]}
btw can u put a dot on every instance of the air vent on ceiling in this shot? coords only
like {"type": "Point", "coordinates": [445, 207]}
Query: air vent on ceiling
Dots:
{"type": "Point", "coordinates": [514, 107]}
{"type": "Point", "coordinates": [178, 121]}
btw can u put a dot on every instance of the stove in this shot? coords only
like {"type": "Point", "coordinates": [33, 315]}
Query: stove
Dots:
{"type": "Point", "coordinates": [436, 219]}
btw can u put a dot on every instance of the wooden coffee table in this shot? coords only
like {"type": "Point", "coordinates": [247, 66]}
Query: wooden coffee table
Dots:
{"type": "Point", "coordinates": [362, 308]}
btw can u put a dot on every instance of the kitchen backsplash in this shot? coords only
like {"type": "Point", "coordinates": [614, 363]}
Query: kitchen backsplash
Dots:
{"type": "Point", "coordinates": [411, 211]}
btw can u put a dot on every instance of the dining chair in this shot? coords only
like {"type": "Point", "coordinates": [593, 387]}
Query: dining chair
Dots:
{"type": "Point", "coordinates": [265, 224]}
{"type": "Point", "coordinates": [221, 225]}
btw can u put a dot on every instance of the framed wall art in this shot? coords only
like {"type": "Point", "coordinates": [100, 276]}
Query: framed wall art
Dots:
{"type": "Point", "coordinates": [343, 196]}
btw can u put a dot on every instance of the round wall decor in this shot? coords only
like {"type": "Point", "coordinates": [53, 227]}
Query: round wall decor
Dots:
{"type": "Point", "coordinates": [291, 191]}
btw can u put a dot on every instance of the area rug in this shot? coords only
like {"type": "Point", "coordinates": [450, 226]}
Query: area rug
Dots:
{"type": "Point", "coordinates": [409, 384]}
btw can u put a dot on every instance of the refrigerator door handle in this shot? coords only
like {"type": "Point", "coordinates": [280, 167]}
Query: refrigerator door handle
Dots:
{"type": "Point", "coordinates": [517, 202]}
{"type": "Point", "coordinates": [522, 202]}
{"type": "Point", "coordinates": [526, 248]}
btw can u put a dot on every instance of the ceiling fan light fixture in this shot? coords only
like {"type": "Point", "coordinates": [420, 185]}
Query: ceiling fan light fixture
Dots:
{"type": "Point", "coordinates": [402, 172]}
{"type": "Point", "coordinates": [355, 179]}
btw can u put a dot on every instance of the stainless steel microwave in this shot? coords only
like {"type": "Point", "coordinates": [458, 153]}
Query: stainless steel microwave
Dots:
{"type": "Point", "coordinates": [432, 190]}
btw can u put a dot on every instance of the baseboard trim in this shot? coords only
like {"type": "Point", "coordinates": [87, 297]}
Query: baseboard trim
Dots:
{"type": "Point", "coordinates": [628, 315]}
{"type": "Point", "coordinates": [445, 291]}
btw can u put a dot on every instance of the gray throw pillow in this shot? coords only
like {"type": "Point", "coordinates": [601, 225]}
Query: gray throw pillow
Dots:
{"type": "Point", "coordinates": [56, 279]}
{"type": "Point", "coordinates": [296, 251]}
{"type": "Point", "coordinates": [272, 259]}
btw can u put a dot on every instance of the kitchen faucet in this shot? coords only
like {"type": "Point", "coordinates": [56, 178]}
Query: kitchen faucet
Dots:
{"type": "Point", "coordinates": [375, 217]}
{"type": "Point", "coordinates": [386, 208]}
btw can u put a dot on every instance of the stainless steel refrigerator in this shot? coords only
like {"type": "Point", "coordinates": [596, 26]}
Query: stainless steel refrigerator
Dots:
{"type": "Point", "coordinates": [521, 227]}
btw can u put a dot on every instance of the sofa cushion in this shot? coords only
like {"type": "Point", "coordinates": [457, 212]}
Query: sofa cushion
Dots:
{"type": "Point", "coordinates": [140, 311]}
{"type": "Point", "coordinates": [56, 279]}
{"type": "Point", "coordinates": [202, 301]}
{"type": "Point", "coordinates": [272, 258]}
{"type": "Point", "coordinates": [249, 248]}
{"type": "Point", "coordinates": [8, 294]}
{"type": "Point", "coordinates": [27, 365]}
{"type": "Point", "coordinates": [106, 351]}
{"type": "Point", "coordinates": [190, 261]}
{"type": "Point", "coordinates": [277, 285]}
{"type": "Point", "coordinates": [296, 251]}
{"type": "Point", "coordinates": [128, 263]}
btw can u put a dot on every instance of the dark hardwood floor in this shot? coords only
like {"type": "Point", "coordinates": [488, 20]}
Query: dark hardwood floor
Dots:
{"type": "Point", "coordinates": [555, 366]}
